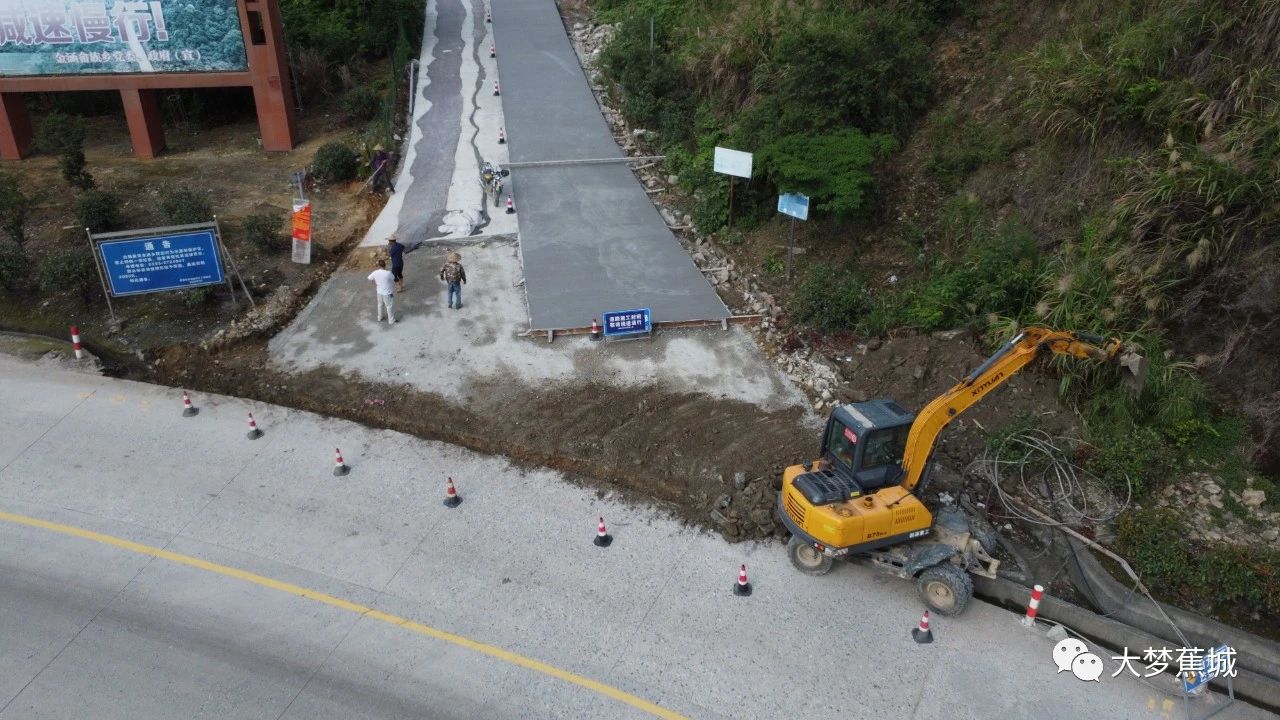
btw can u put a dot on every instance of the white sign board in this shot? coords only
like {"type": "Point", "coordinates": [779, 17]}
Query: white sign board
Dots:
{"type": "Point", "coordinates": [733, 162]}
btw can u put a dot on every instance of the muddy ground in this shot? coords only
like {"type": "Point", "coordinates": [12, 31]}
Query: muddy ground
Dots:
{"type": "Point", "coordinates": [688, 452]}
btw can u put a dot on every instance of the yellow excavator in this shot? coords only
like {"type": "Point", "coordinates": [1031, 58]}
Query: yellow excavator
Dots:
{"type": "Point", "coordinates": [858, 499]}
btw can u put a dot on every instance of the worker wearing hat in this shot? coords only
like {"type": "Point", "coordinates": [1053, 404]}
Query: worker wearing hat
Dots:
{"type": "Point", "coordinates": [455, 276]}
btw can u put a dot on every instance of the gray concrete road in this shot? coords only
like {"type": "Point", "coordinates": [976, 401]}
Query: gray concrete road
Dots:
{"type": "Point", "coordinates": [592, 240]}
{"type": "Point", "coordinates": [154, 566]}
{"type": "Point", "coordinates": [454, 128]}
{"type": "Point", "coordinates": [452, 353]}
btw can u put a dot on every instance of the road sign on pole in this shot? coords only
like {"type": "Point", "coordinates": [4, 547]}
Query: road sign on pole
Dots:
{"type": "Point", "coordinates": [733, 163]}
{"type": "Point", "coordinates": [796, 206]}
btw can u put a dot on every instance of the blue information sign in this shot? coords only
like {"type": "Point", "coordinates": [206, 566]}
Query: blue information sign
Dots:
{"type": "Point", "coordinates": [795, 205]}
{"type": "Point", "coordinates": [161, 262]}
{"type": "Point", "coordinates": [1214, 663]}
{"type": "Point", "coordinates": [627, 322]}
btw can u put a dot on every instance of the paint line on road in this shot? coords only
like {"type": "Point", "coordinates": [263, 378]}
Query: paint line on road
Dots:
{"type": "Point", "coordinates": [364, 610]}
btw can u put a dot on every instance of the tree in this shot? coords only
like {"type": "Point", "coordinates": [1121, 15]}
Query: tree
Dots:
{"type": "Point", "coordinates": [14, 208]}
{"type": "Point", "coordinates": [833, 169]}
{"type": "Point", "coordinates": [63, 135]}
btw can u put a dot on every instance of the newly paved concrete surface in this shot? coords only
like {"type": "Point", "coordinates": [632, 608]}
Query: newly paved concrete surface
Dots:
{"type": "Point", "coordinates": [89, 630]}
{"type": "Point", "coordinates": [592, 240]}
{"type": "Point", "coordinates": [452, 353]}
{"type": "Point", "coordinates": [454, 129]}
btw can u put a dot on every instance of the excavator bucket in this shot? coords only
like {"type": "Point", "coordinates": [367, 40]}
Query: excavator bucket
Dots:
{"type": "Point", "coordinates": [1135, 367]}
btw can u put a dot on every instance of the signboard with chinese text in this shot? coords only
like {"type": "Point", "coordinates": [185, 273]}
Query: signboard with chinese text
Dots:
{"type": "Point", "coordinates": [795, 205]}
{"type": "Point", "coordinates": [82, 37]}
{"type": "Point", "coordinates": [732, 162]}
{"type": "Point", "coordinates": [628, 322]}
{"type": "Point", "coordinates": [161, 262]}
{"type": "Point", "coordinates": [301, 226]}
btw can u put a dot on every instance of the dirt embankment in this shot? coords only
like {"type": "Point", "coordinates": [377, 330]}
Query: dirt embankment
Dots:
{"type": "Point", "coordinates": [716, 463]}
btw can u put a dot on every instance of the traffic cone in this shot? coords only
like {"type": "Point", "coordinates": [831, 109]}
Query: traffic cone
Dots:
{"type": "Point", "coordinates": [496, 91]}
{"type": "Point", "coordinates": [451, 497]}
{"type": "Point", "coordinates": [188, 410]}
{"type": "Point", "coordinates": [502, 137]}
{"type": "Point", "coordinates": [742, 588]}
{"type": "Point", "coordinates": [922, 634]}
{"type": "Point", "coordinates": [603, 539]}
{"type": "Point", "coordinates": [493, 51]}
{"type": "Point", "coordinates": [339, 467]}
{"type": "Point", "coordinates": [595, 329]}
{"type": "Point", "coordinates": [511, 207]}
{"type": "Point", "coordinates": [254, 432]}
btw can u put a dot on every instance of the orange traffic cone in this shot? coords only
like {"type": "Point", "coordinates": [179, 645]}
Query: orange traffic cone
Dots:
{"type": "Point", "coordinates": [922, 634]}
{"type": "Point", "coordinates": [742, 588]}
{"type": "Point", "coordinates": [603, 538]}
{"type": "Point", "coordinates": [254, 432]}
{"type": "Point", "coordinates": [451, 497]}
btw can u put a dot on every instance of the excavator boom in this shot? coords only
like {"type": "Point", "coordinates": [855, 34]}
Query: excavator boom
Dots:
{"type": "Point", "coordinates": [991, 374]}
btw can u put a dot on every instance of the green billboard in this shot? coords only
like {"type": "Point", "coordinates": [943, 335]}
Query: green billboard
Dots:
{"type": "Point", "coordinates": [71, 37]}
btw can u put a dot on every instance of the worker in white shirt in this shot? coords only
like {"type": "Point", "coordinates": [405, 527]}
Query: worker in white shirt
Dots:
{"type": "Point", "coordinates": [385, 283]}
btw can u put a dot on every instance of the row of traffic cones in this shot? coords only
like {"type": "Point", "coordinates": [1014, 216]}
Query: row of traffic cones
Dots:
{"type": "Point", "coordinates": [497, 91]}
{"type": "Point", "coordinates": [742, 588]}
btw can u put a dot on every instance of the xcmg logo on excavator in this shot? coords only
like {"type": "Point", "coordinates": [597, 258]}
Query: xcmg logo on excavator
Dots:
{"type": "Point", "coordinates": [987, 385]}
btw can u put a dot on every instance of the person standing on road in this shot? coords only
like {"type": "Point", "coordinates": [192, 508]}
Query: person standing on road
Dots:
{"type": "Point", "coordinates": [384, 283]}
{"type": "Point", "coordinates": [453, 274]}
{"type": "Point", "coordinates": [396, 251]}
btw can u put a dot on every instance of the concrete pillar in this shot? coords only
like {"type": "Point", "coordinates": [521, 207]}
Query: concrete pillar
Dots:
{"type": "Point", "coordinates": [142, 110]}
{"type": "Point", "coordinates": [275, 113]}
{"type": "Point", "coordinates": [272, 93]}
{"type": "Point", "coordinates": [15, 126]}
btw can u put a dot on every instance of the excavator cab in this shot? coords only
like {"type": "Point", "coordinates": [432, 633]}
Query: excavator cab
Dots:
{"type": "Point", "coordinates": [866, 441]}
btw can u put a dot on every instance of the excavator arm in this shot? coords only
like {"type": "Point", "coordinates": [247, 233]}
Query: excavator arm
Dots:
{"type": "Point", "coordinates": [991, 374]}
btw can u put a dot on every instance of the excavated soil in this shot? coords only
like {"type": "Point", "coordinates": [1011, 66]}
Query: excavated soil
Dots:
{"type": "Point", "coordinates": [715, 463]}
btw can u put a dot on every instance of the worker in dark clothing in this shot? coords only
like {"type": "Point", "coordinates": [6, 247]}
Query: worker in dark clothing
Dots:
{"type": "Point", "coordinates": [381, 164]}
{"type": "Point", "coordinates": [396, 252]}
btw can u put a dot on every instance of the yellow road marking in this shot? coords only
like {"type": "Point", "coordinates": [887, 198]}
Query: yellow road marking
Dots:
{"type": "Point", "coordinates": [298, 590]}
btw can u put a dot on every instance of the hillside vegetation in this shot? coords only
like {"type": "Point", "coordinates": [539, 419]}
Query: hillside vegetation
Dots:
{"type": "Point", "coordinates": [1108, 166]}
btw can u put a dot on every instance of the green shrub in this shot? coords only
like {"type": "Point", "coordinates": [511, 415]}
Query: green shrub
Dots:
{"type": "Point", "coordinates": [335, 162]}
{"type": "Point", "coordinates": [833, 169]}
{"type": "Point", "coordinates": [831, 299]}
{"type": "Point", "coordinates": [98, 210]}
{"type": "Point", "coordinates": [263, 229]}
{"type": "Point", "coordinates": [184, 206]}
{"type": "Point", "coordinates": [1230, 580]}
{"type": "Point", "coordinates": [63, 135]}
{"type": "Point", "coordinates": [1153, 541]}
{"type": "Point", "coordinates": [67, 271]}
{"type": "Point", "coordinates": [196, 297]}
{"type": "Point", "coordinates": [958, 147]}
{"type": "Point", "coordinates": [14, 208]}
{"type": "Point", "coordinates": [362, 104]}
{"type": "Point", "coordinates": [14, 265]}
{"type": "Point", "coordinates": [999, 272]}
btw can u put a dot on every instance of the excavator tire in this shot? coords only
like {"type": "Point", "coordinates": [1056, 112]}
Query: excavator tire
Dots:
{"type": "Point", "coordinates": [945, 588]}
{"type": "Point", "coordinates": [807, 559]}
